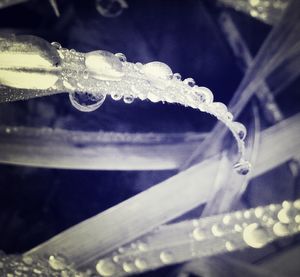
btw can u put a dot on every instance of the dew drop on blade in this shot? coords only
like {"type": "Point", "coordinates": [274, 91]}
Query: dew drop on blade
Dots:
{"type": "Point", "coordinates": [255, 236]}
{"type": "Point", "coordinates": [105, 268]}
{"type": "Point", "coordinates": [158, 73]}
{"type": "Point", "coordinates": [240, 130]}
{"type": "Point", "coordinates": [177, 76]}
{"type": "Point", "coordinates": [166, 257]}
{"type": "Point", "coordinates": [103, 65]}
{"type": "Point", "coordinates": [86, 102]}
{"type": "Point", "coordinates": [203, 94]}
{"type": "Point", "coordinates": [121, 57]}
{"type": "Point", "coordinates": [189, 81]}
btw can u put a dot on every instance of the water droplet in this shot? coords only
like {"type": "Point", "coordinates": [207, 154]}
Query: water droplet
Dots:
{"type": "Point", "coordinates": [128, 99]}
{"type": "Point", "coordinates": [220, 108]}
{"type": "Point", "coordinates": [287, 204]}
{"type": "Point", "coordinates": [226, 219]}
{"type": "Point", "coordinates": [297, 204]}
{"type": "Point", "coordinates": [128, 267]}
{"type": "Point", "coordinates": [255, 236]}
{"type": "Point", "coordinates": [189, 81]}
{"type": "Point", "coordinates": [56, 45]}
{"type": "Point", "coordinates": [105, 268]}
{"type": "Point", "coordinates": [121, 250]}
{"type": "Point", "coordinates": [116, 258]}
{"type": "Point", "coordinates": [272, 207]}
{"type": "Point", "coordinates": [283, 216]}
{"type": "Point", "coordinates": [7, 130]}
{"type": "Point", "coordinates": [280, 229]}
{"type": "Point", "coordinates": [166, 257]}
{"type": "Point", "coordinates": [204, 95]}
{"type": "Point", "coordinates": [86, 102]}
{"type": "Point", "coordinates": [217, 230]}
{"type": "Point", "coordinates": [198, 234]}
{"type": "Point", "coordinates": [238, 228]}
{"type": "Point", "coordinates": [239, 129]}
{"type": "Point", "coordinates": [121, 57]}
{"type": "Point", "coordinates": [111, 8]}
{"type": "Point", "coordinates": [153, 97]}
{"type": "Point", "coordinates": [140, 264]}
{"type": "Point", "coordinates": [103, 65]}
{"type": "Point", "coordinates": [27, 259]}
{"type": "Point", "coordinates": [56, 262]}
{"type": "Point", "coordinates": [142, 246]}
{"type": "Point", "coordinates": [242, 167]}
{"type": "Point", "coordinates": [116, 96]}
{"type": "Point", "coordinates": [158, 74]}
{"type": "Point", "coordinates": [297, 218]}
{"type": "Point", "coordinates": [247, 214]}
{"type": "Point", "coordinates": [177, 76]}
{"type": "Point", "coordinates": [259, 211]}
{"type": "Point", "coordinates": [229, 246]}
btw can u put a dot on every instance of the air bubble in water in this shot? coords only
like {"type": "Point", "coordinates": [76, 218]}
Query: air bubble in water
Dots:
{"type": "Point", "coordinates": [158, 73]}
{"type": "Point", "coordinates": [86, 102]}
{"type": "Point", "coordinates": [105, 268]}
{"type": "Point", "coordinates": [121, 57]}
{"type": "Point", "coordinates": [110, 8]}
{"type": "Point", "coordinates": [242, 167]}
{"type": "Point", "coordinates": [103, 65]}
{"type": "Point", "coordinates": [240, 130]}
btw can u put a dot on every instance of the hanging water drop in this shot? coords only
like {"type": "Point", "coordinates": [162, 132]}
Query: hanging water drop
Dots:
{"type": "Point", "coordinates": [189, 81]}
{"type": "Point", "coordinates": [158, 74]}
{"type": "Point", "coordinates": [240, 130]}
{"type": "Point", "coordinates": [242, 167]}
{"type": "Point", "coordinates": [116, 96]}
{"type": "Point", "coordinates": [103, 65]}
{"type": "Point", "coordinates": [105, 268]}
{"type": "Point", "coordinates": [121, 57]}
{"type": "Point", "coordinates": [128, 99]}
{"type": "Point", "coordinates": [86, 102]}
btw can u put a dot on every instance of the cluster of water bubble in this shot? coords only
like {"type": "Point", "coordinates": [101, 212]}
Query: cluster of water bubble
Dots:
{"type": "Point", "coordinates": [32, 266]}
{"type": "Point", "coordinates": [90, 77]}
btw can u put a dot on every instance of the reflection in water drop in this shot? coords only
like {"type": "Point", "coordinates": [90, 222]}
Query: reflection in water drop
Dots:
{"type": "Point", "coordinates": [110, 8]}
{"type": "Point", "coordinates": [86, 102]}
{"type": "Point", "coordinates": [166, 257]}
{"type": "Point", "coordinates": [255, 236]}
{"type": "Point", "coordinates": [198, 234]}
{"type": "Point", "coordinates": [105, 268]}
